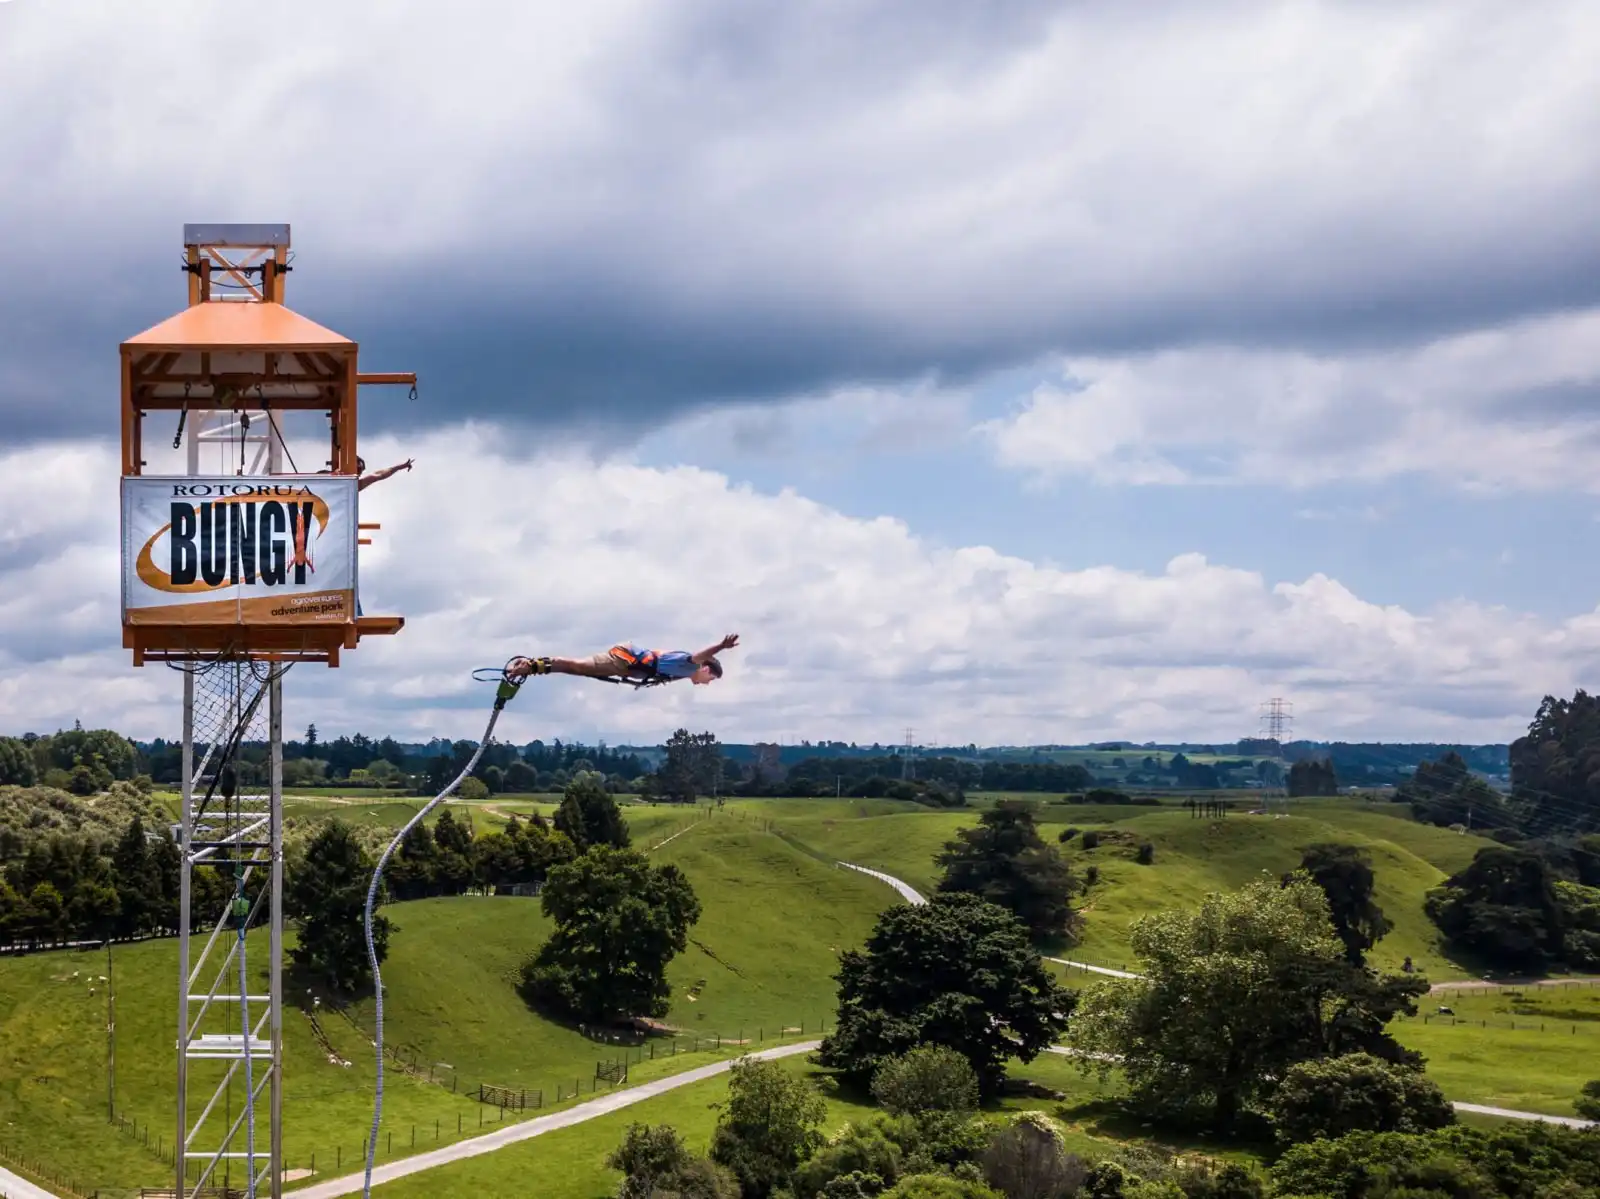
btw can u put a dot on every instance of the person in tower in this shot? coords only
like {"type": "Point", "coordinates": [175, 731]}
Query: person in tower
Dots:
{"type": "Point", "coordinates": [629, 661]}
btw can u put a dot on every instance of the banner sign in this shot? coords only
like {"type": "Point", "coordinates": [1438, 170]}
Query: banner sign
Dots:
{"type": "Point", "coordinates": [273, 550]}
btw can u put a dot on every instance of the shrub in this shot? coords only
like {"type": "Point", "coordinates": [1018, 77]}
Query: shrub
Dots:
{"type": "Point", "coordinates": [656, 1160]}
{"type": "Point", "coordinates": [857, 1152]}
{"type": "Point", "coordinates": [939, 1186]}
{"type": "Point", "coordinates": [1232, 1181]}
{"type": "Point", "coordinates": [1027, 1159]}
{"type": "Point", "coordinates": [1146, 854]}
{"type": "Point", "coordinates": [937, 1141]}
{"type": "Point", "coordinates": [854, 1185]}
{"type": "Point", "coordinates": [473, 787]}
{"type": "Point", "coordinates": [1587, 1104]}
{"type": "Point", "coordinates": [1090, 877]}
{"type": "Point", "coordinates": [1091, 839]}
{"type": "Point", "coordinates": [1066, 835]}
{"type": "Point", "coordinates": [1356, 1093]}
{"type": "Point", "coordinates": [929, 1078]}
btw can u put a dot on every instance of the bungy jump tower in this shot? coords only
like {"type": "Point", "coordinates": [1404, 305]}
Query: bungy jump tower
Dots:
{"type": "Point", "coordinates": [237, 563]}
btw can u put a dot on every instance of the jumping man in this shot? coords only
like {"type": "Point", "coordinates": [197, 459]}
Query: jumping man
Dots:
{"type": "Point", "coordinates": [629, 661]}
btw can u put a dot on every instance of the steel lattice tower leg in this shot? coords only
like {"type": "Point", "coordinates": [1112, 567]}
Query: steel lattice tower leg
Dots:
{"type": "Point", "coordinates": [231, 875]}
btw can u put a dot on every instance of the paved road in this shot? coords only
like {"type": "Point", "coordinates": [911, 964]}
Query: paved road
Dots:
{"type": "Point", "coordinates": [510, 1134]}
{"type": "Point", "coordinates": [1480, 1109]}
{"type": "Point", "coordinates": [12, 1187]}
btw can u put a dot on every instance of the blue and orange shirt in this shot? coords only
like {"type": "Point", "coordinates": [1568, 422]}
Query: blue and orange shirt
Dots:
{"type": "Point", "coordinates": [672, 664]}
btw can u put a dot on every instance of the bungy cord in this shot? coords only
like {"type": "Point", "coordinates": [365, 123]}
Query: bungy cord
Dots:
{"type": "Point", "coordinates": [508, 688]}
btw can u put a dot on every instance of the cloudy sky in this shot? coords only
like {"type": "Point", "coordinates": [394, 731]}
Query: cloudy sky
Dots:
{"type": "Point", "coordinates": [1015, 372]}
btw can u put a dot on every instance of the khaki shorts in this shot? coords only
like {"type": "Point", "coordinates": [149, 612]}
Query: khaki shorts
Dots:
{"type": "Point", "coordinates": [606, 660]}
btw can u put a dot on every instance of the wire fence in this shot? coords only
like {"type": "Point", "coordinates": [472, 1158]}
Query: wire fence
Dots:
{"type": "Point", "coordinates": [44, 1175]}
{"type": "Point", "coordinates": [497, 1104]}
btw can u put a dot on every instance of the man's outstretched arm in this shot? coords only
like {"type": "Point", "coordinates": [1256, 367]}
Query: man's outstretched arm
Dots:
{"type": "Point", "coordinates": [380, 475]}
{"type": "Point", "coordinates": [711, 651]}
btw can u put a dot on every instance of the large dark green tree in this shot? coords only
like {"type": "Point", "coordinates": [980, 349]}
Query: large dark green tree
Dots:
{"type": "Point", "coordinates": [957, 971]}
{"type": "Point", "coordinates": [1503, 907]}
{"type": "Point", "coordinates": [619, 921]}
{"type": "Point", "coordinates": [327, 891]}
{"type": "Point", "coordinates": [1344, 872]}
{"type": "Point", "coordinates": [589, 816]}
{"type": "Point", "coordinates": [1005, 861]}
{"type": "Point", "coordinates": [1555, 767]}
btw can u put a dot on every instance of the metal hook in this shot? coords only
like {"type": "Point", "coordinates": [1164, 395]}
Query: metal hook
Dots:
{"type": "Point", "coordinates": [413, 394]}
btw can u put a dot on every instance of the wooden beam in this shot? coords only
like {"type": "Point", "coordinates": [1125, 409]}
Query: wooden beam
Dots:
{"type": "Point", "coordinates": [130, 419]}
{"type": "Point", "coordinates": [403, 378]}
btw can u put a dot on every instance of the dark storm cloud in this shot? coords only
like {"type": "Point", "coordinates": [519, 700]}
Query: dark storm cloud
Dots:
{"type": "Point", "coordinates": [609, 218]}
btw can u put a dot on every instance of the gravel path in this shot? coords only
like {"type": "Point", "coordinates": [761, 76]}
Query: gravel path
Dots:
{"type": "Point", "coordinates": [510, 1134]}
{"type": "Point", "coordinates": [12, 1187]}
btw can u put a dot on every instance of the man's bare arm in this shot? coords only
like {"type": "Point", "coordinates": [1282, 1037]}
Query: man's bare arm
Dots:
{"type": "Point", "coordinates": [711, 651]}
{"type": "Point", "coordinates": [381, 475]}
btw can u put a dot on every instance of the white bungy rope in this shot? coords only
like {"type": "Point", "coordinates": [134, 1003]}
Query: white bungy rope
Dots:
{"type": "Point", "coordinates": [372, 952]}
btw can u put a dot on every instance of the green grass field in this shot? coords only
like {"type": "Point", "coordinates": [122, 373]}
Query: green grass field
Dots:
{"type": "Point", "coordinates": [777, 914]}
{"type": "Point", "coordinates": [1192, 856]}
{"type": "Point", "coordinates": [570, 1163]}
{"type": "Point", "coordinates": [761, 961]}
{"type": "Point", "coordinates": [1528, 1049]}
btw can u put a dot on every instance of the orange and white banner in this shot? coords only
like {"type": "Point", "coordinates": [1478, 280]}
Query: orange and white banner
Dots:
{"type": "Point", "coordinates": [236, 550]}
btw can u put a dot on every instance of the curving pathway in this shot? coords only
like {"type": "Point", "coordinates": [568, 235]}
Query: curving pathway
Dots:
{"type": "Point", "coordinates": [914, 897]}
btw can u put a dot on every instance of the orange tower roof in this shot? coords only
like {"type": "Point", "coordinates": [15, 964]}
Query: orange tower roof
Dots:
{"type": "Point", "coordinates": [234, 325]}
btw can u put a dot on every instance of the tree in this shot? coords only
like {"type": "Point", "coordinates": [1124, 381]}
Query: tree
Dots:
{"type": "Point", "coordinates": [135, 879]}
{"type": "Point", "coordinates": [327, 890]}
{"type": "Point", "coordinates": [1344, 872]}
{"type": "Point", "coordinates": [655, 1162]}
{"type": "Point", "coordinates": [17, 766]}
{"type": "Point", "coordinates": [453, 865]}
{"type": "Point", "coordinates": [619, 922]}
{"type": "Point", "coordinates": [1555, 768]}
{"type": "Point", "coordinates": [1313, 776]}
{"type": "Point", "coordinates": [1005, 861]}
{"type": "Point", "coordinates": [693, 767]}
{"type": "Point", "coordinates": [957, 971]}
{"type": "Point", "coordinates": [769, 1125]}
{"type": "Point", "coordinates": [1232, 995]}
{"type": "Point", "coordinates": [1503, 907]}
{"type": "Point", "coordinates": [589, 816]}
{"type": "Point", "coordinates": [1356, 1093]}
{"type": "Point", "coordinates": [929, 1078]}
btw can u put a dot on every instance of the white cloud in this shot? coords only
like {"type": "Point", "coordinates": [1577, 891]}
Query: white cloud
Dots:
{"type": "Point", "coordinates": [851, 628]}
{"type": "Point", "coordinates": [1516, 406]}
